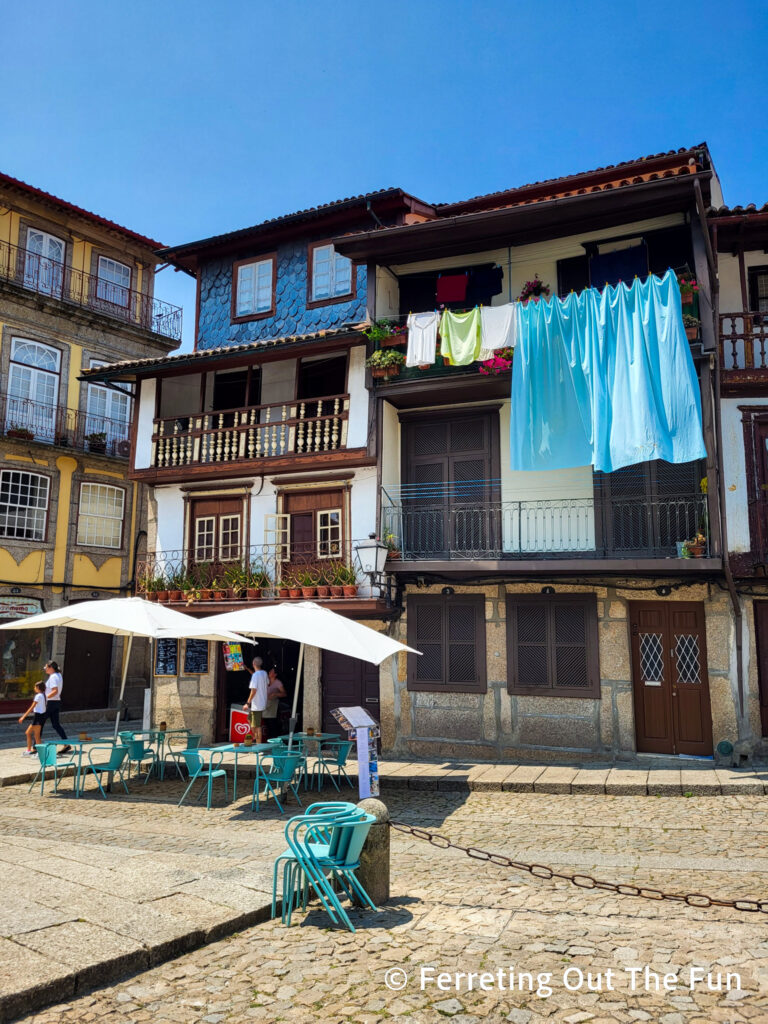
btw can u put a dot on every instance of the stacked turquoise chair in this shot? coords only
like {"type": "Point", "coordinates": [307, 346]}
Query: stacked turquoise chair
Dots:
{"type": "Point", "coordinates": [337, 760]}
{"type": "Point", "coordinates": [199, 769]}
{"type": "Point", "coordinates": [324, 846]}
{"type": "Point", "coordinates": [283, 772]}
{"type": "Point", "coordinates": [114, 765]}
{"type": "Point", "coordinates": [46, 752]}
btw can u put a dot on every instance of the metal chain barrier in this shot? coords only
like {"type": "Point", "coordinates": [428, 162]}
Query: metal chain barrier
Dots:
{"type": "Point", "coordinates": [583, 881]}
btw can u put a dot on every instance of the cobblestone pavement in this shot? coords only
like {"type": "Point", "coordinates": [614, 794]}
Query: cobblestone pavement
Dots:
{"type": "Point", "coordinates": [455, 914]}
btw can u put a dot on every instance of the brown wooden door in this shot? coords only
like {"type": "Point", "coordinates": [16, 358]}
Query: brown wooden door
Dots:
{"type": "Point", "coordinates": [760, 438]}
{"type": "Point", "coordinates": [670, 683]}
{"type": "Point", "coordinates": [761, 639]}
{"type": "Point", "coordinates": [348, 682]}
{"type": "Point", "coordinates": [87, 665]}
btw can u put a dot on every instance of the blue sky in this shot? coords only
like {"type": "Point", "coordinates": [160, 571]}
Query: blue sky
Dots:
{"type": "Point", "coordinates": [185, 119]}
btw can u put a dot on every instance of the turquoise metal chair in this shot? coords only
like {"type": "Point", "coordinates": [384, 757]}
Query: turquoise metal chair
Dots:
{"type": "Point", "coordinates": [337, 759]}
{"type": "Point", "coordinates": [324, 850]}
{"type": "Point", "coordinates": [46, 752]}
{"type": "Point", "coordinates": [282, 773]}
{"type": "Point", "coordinates": [114, 765]}
{"type": "Point", "coordinates": [193, 742]}
{"type": "Point", "coordinates": [139, 753]}
{"type": "Point", "coordinates": [199, 769]}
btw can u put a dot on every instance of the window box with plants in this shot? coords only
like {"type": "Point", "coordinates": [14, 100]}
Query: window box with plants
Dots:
{"type": "Point", "coordinates": [19, 432]}
{"type": "Point", "coordinates": [688, 289]}
{"type": "Point", "coordinates": [691, 325]}
{"type": "Point", "coordinates": [97, 442]}
{"type": "Point", "coordinates": [385, 363]}
{"type": "Point", "coordinates": [387, 334]}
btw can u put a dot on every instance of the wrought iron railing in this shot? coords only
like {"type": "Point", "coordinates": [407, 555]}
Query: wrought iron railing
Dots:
{"type": "Point", "coordinates": [302, 427]}
{"type": "Point", "coordinates": [600, 527]}
{"type": "Point", "coordinates": [205, 572]}
{"type": "Point", "coordinates": [57, 280]}
{"type": "Point", "coordinates": [23, 420]}
{"type": "Point", "coordinates": [743, 341]}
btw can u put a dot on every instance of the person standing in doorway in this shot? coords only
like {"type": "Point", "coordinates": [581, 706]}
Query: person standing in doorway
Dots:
{"type": "Point", "coordinates": [275, 691]}
{"type": "Point", "coordinates": [54, 684]}
{"type": "Point", "coordinates": [257, 697]}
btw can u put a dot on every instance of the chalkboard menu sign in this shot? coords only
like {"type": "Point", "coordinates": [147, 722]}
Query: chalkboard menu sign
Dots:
{"type": "Point", "coordinates": [195, 657]}
{"type": "Point", "coordinates": [166, 657]}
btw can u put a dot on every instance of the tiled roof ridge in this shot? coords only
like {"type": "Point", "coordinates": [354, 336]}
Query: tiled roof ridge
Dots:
{"type": "Point", "coordinates": [49, 197]}
{"type": "Point", "coordinates": [736, 211]}
{"type": "Point", "coordinates": [569, 177]}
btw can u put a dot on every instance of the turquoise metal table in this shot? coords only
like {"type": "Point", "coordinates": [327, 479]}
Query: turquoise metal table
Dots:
{"type": "Point", "coordinates": [78, 746]}
{"type": "Point", "coordinates": [239, 750]}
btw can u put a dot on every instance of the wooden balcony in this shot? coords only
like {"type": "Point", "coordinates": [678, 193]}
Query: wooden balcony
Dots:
{"type": "Point", "coordinates": [743, 350]}
{"type": "Point", "coordinates": [303, 429]}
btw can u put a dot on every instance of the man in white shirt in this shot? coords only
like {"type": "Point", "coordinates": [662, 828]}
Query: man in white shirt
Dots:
{"type": "Point", "coordinates": [257, 697]}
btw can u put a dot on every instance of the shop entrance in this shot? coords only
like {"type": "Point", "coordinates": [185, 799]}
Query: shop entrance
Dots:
{"type": "Point", "coordinates": [348, 682]}
{"type": "Point", "coordinates": [87, 665]}
{"type": "Point", "coordinates": [232, 686]}
{"type": "Point", "coordinates": [669, 674]}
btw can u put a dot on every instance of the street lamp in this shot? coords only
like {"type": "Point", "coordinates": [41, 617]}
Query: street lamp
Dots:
{"type": "Point", "coordinates": [371, 556]}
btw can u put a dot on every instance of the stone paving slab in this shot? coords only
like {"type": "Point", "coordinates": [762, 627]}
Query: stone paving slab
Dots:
{"type": "Point", "coordinates": [555, 780]}
{"type": "Point", "coordinates": [590, 780]}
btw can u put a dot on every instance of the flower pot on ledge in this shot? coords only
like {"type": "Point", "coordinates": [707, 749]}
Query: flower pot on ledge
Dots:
{"type": "Point", "coordinates": [379, 371]}
{"type": "Point", "coordinates": [283, 593]}
{"type": "Point", "coordinates": [393, 341]}
{"type": "Point", "coordinates": [174, 595]}
{"type": "Point", "coordinates": [308, 593]}
{"type": "Point", "coordinates": [253, 593]}
{"type": "Point", "coordinates": [691, 333]}
{"type": "Point", "coordinates": [323, 592]}
{"type": "Point", "coordinates": [337, 591]}
{"type": "Point", "coordinates": [294, 593]}
{"type": "Point", "coordinates": [350, 590]}
{"type": "Point", "coordinates": [162, 595]}
{"type": "Point", "coordinates": [206, 595]}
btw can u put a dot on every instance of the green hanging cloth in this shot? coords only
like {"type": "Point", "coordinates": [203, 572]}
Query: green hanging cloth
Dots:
{"type": "Point", "coordinates": [460, 336]}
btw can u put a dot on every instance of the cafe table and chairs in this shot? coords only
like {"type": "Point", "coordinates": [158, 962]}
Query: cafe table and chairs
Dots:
{"type": "Point", "coordinates": [113, 765]}
{"type": "Point", "coordinates": [46, 753]}
{"type": "Point", "coordinates": [306, 742]}
{"type": "Point", "coordinates": [78, 747]}
{"type": "Point", "coordinates": [239, 750]}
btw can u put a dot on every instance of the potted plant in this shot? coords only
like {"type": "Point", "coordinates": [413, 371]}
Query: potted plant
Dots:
{"type": "Point", "coordinates": [325, 578]}
{"type": "Point", "coordinates": [688, 288]}
{"type": "Point", "coordinates": [20, 432]}
{"type": "Point", "coordinates": [691, 325]}
{"type": "Point", "coordinates": [257, 580]}
{"type": "Point", "coordinates": [200, 581]}
{"type": "Point", "coordinates": [501, 362]}
{"type": "Point", "coordinates": [695, 548]}
{"type": "Point", "coordinates": [347, 577]}
{"type": "Point", "coordinates": [385, 363]}
{"type": "Point", "coordinates": [393, 548]}
{"type": "Point", "coordinates": [97, 442]}
{"type": "Point", "coordinates": [161, 587]}
{"type": "Point", "coordinates": [177, 584]}
{"type": "Point", "coordinates": [307, 578]}
{"type": "Point", "coordinates": [534, 290]}
{"type": "Point", "coordinates": [219, 590]}
{"type": "Point", "coordinates": [236, 579]}
{"type": "Point", "coordinates": [386, 333]}
{"type": "Point", "coordinates": [291, 581]}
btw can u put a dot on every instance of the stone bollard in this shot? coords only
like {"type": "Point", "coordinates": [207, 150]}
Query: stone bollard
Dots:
{"type": "Point", "coordinates": [374, 859]}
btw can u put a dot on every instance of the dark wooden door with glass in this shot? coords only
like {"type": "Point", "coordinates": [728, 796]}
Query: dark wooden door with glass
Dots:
{"type": "Point", "coordinates": [761, 638]}
{"type": "Point", "coordinates": [348, 682]}
{"type": "Point", "coordinates": [450, 492]}
{"type": "Point", "coordinates": [669, 673]}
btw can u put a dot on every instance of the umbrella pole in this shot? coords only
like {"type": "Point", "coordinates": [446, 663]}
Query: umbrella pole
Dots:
{"type": "Point", "coordinates": [126, 659]}
{"type": "Point", "coordinates": [292, 727]}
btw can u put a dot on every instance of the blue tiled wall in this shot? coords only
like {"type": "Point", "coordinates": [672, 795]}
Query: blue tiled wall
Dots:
{"type": "Point", "coordinates": [291, 313]}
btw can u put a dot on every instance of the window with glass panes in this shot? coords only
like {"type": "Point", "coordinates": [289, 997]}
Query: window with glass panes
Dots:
{"type": "Point", "coordinates": [254, 288]}
{"type": "Point", "coordinates": [100, 520]}
{"type": "Point", "coordinates": [329, 533]}
{"type": "Point", "coordinates": [23, 504]}
{"type": "Point", "coordinates": [331, 273]}
{"type": "Point", "coordinates": [114, 281]}
{"type": "Point", "coordinates": [758, 289]}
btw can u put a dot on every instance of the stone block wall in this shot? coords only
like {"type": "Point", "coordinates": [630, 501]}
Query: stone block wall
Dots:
{"type": "Point", "coordinates": [498, 725]}
{"type": "Point", "coordinates": [291, 314]}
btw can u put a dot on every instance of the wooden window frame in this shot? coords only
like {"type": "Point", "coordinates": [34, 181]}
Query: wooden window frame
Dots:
{"type": "Point", "coordinates": [268, 257]}
{"type": "Point", "coordinates": [5, 538]}
{"type": "Point", "coordinates": [481, 686]}
{"type": "Point", "coordinates": [313, 303]}
{"type": "Point", "coordinates": [752, 275]}
{"type": "Point", "coordinates": [589, 602]}
{"type": "Point", "coordinates": [88, 544]}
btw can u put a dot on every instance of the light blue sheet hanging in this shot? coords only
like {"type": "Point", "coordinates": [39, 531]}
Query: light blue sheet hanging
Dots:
{"type": "Point", "coordinates": [605, 379]}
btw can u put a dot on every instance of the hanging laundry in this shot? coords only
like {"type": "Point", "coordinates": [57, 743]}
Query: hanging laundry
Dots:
{"type": "Point", "coordinates": [460, 336]}
{"type": "Point", "coordinates": [484, 283]}
{"type": "Point", "coordinates": [605, 379]}
{"type": "Point", "coordinates": [497, 329]}
{"type": "Point", "coordinates": [452, 288]}
{"type": "Point", "coordinates": [422, 338]}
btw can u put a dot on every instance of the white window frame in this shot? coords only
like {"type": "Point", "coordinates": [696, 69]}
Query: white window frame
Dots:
{"type": "Point", "coordinates": [23, 409]}
{"type": "Point", "coordinates": [329, 534]}
{"type": "Point", "coordinates": [335, 263]}
{"type": "Point", "coordinates": [90, 537]}
{"type": "Point", "coordinates": [254, 298]}
{"type": "Point", "coordinates": [113, 292]}
{"type": "Point", "coordinates": [116, 427]}
{"type": "Point", "coordinates": [205, 546]}
{"type": "Point", "coordinates": [36, 514]}
{"type": "Point", "coordinates": [277, 535]}
{"type": "Point", "coordinates": [42, 272]}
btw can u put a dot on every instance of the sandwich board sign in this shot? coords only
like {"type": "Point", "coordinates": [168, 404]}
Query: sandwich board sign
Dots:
{"type": "Point", "coordinates": [357, 720]}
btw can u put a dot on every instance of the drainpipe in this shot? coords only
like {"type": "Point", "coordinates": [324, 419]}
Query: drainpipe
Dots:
{"type": "Point", "coordinates": [737, 611]}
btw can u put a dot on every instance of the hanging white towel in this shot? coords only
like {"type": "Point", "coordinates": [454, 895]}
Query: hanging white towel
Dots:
{"type": "Point", "coordinates": [498, 329]}
{"type": "Point", "coordinates": [422, 338]}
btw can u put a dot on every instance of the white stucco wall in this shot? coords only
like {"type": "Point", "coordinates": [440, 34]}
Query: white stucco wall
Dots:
{"type": "Point", "coordinates": [359, 397]}
{"type": "Point", "coordinates": [170, 518]}
{"type": "Point", "coordinates": [146, 415]}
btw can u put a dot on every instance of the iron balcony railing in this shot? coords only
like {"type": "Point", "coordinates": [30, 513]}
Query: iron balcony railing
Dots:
{"type": "Point", "coordinates": [305, 427]}
{"type": "Point", "coordinates": [23, 420]}
{"type": "Point", "coordinates": [233, 568]}
{"type": "Point", "coordinates": [601, 527]}
{"type": "Point", "coordinates": [57, 280]}
{"type": "Point", "coordinates": [743, 342]}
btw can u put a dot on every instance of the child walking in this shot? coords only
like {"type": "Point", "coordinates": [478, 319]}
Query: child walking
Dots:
{"type": "Point", "coordinates": [37, 710]}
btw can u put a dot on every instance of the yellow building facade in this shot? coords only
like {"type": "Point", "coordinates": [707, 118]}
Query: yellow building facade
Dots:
{"type": "Point", "coordinates": [76, 292]}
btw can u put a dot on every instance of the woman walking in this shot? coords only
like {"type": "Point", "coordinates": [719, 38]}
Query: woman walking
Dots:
{"type": "Point", "coordinates": [54, 684]}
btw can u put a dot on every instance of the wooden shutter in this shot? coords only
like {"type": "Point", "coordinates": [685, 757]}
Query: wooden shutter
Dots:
{"type": "Point", "coordinates": [450, 633]}
{"type": "Point", "coordinates": [552, 645]}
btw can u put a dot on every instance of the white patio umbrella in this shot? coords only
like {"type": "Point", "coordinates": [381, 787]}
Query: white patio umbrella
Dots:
{"type": "Point", "coordinates": [308, 623]}
{"type": "Point", "coordinates": [130, 617]}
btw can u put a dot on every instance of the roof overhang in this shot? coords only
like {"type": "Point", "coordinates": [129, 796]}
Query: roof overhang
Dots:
{"type": "Point", "coordinates": [524, 224]}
